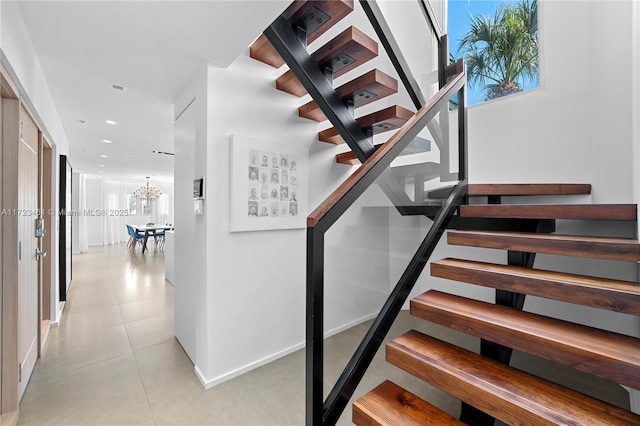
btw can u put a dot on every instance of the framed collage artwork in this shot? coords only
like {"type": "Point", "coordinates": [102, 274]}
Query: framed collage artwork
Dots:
{"type": "Point", "coordinates": [269, 185]}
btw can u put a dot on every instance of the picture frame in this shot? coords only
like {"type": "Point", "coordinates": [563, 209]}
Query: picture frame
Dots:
{"type": "Point", "coordinates": [269, 185]}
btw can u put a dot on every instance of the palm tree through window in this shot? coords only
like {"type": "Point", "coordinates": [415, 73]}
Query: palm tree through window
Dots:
{"type": "Point", "coordinates": [499, 42]}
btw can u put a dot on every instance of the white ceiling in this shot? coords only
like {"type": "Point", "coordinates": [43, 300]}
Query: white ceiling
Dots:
{"type": "Point", "coordinates": [153, 49]}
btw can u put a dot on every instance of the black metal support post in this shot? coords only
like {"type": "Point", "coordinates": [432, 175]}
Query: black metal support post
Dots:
{"type": "Point", "coordinates": [314, 327]}
{"type": "Point", "coordinates": [463, 164]}
{"type": "Point", "coordinates": [469, 414]}
{"type": "Point", "coordinates": [286, 42]}
{"type": "Point", "coordinates": [379, 23]}
{"type": "Point", "coordinates": [443, 60]}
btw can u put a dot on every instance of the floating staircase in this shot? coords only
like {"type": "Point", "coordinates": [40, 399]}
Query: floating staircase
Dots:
{"type": "Point", "coordinates": [485, 382]}
{"type": "Point", "coordinates": [345, 52]}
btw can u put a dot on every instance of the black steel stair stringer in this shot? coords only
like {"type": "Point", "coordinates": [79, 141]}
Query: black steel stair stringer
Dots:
{"type": "Point", "coordinates": [285, 40]}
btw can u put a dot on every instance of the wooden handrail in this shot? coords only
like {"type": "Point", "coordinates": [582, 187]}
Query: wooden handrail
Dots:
{"type": "Point", "coordinates": [371, 162]}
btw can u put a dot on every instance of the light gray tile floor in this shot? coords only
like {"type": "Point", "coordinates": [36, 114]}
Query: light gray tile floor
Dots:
{"type": "Point", "coordinates": [113, 360]}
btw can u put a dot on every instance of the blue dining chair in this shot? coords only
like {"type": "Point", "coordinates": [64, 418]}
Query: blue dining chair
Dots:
{"type": "Point", "coordinates": [134, 237]}
{"type": "Point", "coordinates": [158, 236]}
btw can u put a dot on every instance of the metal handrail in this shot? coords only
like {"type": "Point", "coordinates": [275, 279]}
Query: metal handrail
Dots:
{"type": "Point", "coordinates": [338, 202]}
{"type": "Point", "coordinates": [318, 411]}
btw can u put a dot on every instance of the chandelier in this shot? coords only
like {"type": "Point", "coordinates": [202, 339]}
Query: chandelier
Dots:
{"type": "Point", "coordinates": [147, 192]}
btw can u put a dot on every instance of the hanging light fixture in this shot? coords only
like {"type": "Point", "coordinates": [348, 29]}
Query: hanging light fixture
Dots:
{"type": "Point", "coordinates": [147, 192]}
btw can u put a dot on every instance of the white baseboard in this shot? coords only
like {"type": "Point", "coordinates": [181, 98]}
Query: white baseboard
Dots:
{"type": "Point", "coordinates": [348, 325]}
{"type": "Point", "coordinates": [209, 383]}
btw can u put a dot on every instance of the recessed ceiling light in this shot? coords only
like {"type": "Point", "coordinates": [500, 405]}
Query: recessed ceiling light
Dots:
{"type": "Point", "coordinates": [103, 156]}
{"type": "Point", "coordinates": [101, 165]}
{"type": "Point", "coordinates": [106, 141]}
{"type": "Point", "coordinates": [110, 122]}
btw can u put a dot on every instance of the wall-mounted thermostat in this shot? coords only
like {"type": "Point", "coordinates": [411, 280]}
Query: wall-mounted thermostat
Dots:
{"type": "Point", "coordinates": [198, 189]}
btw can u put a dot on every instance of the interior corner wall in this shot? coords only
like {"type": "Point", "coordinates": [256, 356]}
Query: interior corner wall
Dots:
{"type": "Point", "coordinates": [190, 237]}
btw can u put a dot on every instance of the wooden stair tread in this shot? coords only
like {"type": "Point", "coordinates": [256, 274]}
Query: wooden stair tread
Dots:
{"type": "Point", "coordinates": [621, 249]}
{"type": "Point", "coordinates": [263, 51]}
{"type": "Point", "coordinates": [367, 88]}
{"type": "Point", "coordinates": [602, 293]}
{"type": "Point", "coordinates": [349, 157]}
{"type": "Point", "coordinates": [389, 404]}
{"type": "Point", "coordinates": [351, 42]}
{"type": "Point", "coordinates": [481, 189]}
{"type": "Point", "coordinates": [298, 11]}
{"type": "Point", "coordinates": [506, 393]}
{"type": "Point", "coordinates": [515, 189]}
{"type": "Point", "coordinates": [605, 354]}
{"type": "Point", "coordinates": [390, 118]}
{"type": "Point", "coordinates": [552, 211]}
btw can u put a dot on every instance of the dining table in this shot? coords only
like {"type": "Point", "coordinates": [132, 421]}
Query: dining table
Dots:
{"type": "Point", "coordinates": [149, 230]}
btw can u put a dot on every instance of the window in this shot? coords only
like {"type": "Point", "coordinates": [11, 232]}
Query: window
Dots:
{"type": "Point", "coordinates": [499, 42]}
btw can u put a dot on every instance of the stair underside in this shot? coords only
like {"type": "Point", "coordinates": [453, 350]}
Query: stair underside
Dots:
{"type": "Point", "coordinates": [552, 211]}
{"type": "Point", "coordinates": [621, 249]}
{"type": "Point", "coordinates": [482, 189]}
{"type": "Point", "coordinates": [508, 394]}
{"type": "Point", "coordinates": [613, 295]}
{"type": "Point", "coordinates": [306, 13]}
{"type": "Point", "coordinates": [369, 87]}
{"type": "Point", "coordinates": [605, 354]}
{"type": "Point", "coordinates": [348, 50]}
{"type": "Point", "coordinates": [389, 404]}
{"type": "Point", "coordinates": [385, 120]}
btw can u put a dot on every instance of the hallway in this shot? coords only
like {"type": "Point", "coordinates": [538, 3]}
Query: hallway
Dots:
{"type": "Point", "coordinates": [114, 360]}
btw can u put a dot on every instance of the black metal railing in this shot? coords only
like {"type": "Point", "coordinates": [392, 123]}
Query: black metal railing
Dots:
{"type": "Point", "coordinates": [290, 43]}
{"type": "Point", "coordinates": [321, 220]}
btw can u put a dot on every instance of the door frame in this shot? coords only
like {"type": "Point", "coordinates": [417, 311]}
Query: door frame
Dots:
{"type": "Point", "coordinates": [47, 203]}
{"type": "Point", "coordinates": [10, 132]}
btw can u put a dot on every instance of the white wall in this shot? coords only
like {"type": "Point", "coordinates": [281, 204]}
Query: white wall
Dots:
{"type": "Point", "coordinates": [94, 197]}
{"type": "Point", "coordinates": [75, 206]}
{"type": "Point", "coordinates": [20, 54]}
{"type": "Point", "coordinates": [190, 276]}
{"type": "Point", "coordinates": [635, 108]}
{"type": "Point", "coordinates": [256, 280]}
{"type": "Point", "coordinates": [19, 57]}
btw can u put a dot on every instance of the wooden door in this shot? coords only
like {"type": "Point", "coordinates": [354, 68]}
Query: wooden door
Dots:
{"type": "Point", "coordinates": [28, 206]}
